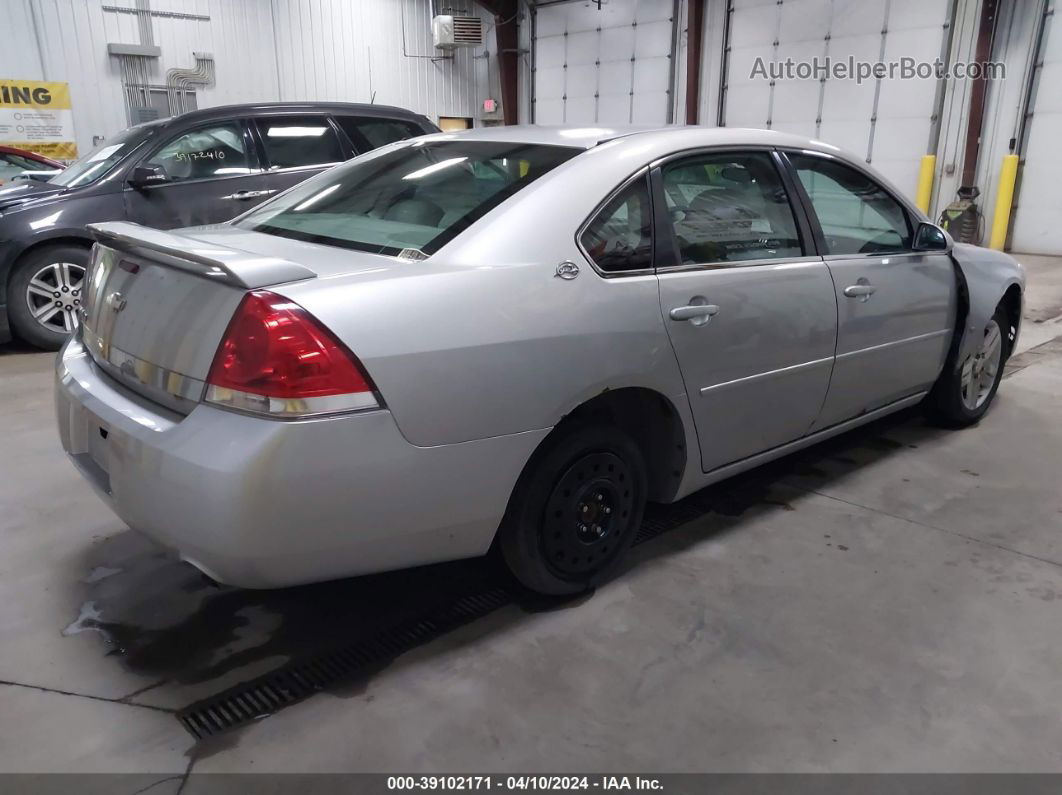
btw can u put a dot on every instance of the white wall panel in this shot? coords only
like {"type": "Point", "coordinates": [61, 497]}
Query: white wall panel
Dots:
{"type": "Point", "coordinates": [887, 121]}
{"type": "Point", "coordinates": [264, 50]}
{"type": "Point", "coordinates": [608, 65]}
{"type": "Point", "coordinates": [1036, 221]}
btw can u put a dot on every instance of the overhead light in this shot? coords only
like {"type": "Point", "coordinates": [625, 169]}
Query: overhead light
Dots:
{"type": "Point", "coordinates": [315, 198]}
{"type": "Point", "coordinates": [423, 172]}
{"type": "Point", "coordinates": [296, 132]}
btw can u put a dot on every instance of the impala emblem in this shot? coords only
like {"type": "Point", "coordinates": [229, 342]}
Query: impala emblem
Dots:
{"type": "Point", "coordinates": [567, 270]}
{"type": "Point", "coordinates": [116, 302]}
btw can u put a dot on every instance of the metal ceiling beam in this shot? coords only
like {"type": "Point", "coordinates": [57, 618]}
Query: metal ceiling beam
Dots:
{"type": "Point", "coordinates": [505, 32]}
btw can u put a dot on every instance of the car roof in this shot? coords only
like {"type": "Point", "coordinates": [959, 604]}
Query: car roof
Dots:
{"type": "Point", "coordinates": [589, 137]}
{"type": "Point", "coordinates": [268, 108]}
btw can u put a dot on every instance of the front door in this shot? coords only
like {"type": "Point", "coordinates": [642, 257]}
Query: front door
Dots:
{"type": "Point", "coordinates": [750, 312]}
{"type": "Point", "coordinates": [212, 175]}
{"type": "Point", "coordinates": [895, 306]}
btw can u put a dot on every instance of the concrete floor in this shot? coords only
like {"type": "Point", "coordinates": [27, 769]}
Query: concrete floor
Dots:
{"type": "Point", "coordinates": [891, 601]}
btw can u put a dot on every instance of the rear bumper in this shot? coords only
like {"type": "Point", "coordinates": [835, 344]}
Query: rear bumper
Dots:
{"type": "Point", "coordinates": [262, 503]}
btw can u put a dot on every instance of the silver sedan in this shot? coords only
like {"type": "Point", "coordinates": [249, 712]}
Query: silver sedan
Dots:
{"type": "Point", "coordinates": [511, 338]}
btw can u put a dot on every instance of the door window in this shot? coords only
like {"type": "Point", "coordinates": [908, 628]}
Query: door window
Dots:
{"type": "Point", "coordinates": [729, 208]}
{"type": "Point", "coordinates": [215, 151]}
{"type": "Point", "coordinates": [856, 214]}
{"type": "Point", "coordinates": [368, 133]}
{"type": "Point", "coordinates": [294, 141]}
{"type": "Point", "coordinates": [620, 236]}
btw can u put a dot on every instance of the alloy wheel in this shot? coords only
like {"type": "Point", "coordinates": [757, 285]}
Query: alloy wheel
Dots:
{"type": "Point", "coordinates": [979, 371]}
{"type": "Point", "coordinates": [54, 296]}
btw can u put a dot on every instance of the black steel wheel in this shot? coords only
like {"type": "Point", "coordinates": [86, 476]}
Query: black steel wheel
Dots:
{"type": "Point", "coordinates": [575, 510]}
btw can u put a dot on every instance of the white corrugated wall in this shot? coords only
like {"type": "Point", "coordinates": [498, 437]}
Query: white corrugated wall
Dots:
{"type": "Point", "coordinates": [348, 50]}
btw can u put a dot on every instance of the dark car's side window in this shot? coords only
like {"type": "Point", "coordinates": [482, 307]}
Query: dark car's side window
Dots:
{"type": "Point", "coordinates": [294, 141]}
{"type": "Point", "coordinates": [217, 150]}
{"type": "Point", "coordinates": [857, 215]}
{"type": "Point", "coordinates": [620, 238]}
{"type": "Point", "coordinates": [729, 207]}
{"type": "Point", "coordinates": [369, 133]}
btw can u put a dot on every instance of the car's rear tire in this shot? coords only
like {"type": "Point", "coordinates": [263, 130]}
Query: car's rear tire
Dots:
{"type": "Point", "coordinates": [44, 294]}
{"type": "Point", "coordinates": [575, 510]}
{"type": "Point", "coordinates": [964, 392]}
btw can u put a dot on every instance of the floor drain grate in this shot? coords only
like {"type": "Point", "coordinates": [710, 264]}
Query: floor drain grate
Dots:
{"type": "Point", "coordinates": [261, 697]}
{"type": "Point", "coordinates": [267, 694]}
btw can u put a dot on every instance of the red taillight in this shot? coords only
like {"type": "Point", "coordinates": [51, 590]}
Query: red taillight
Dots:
{"type": "Point", "coordinates": [275, 358]}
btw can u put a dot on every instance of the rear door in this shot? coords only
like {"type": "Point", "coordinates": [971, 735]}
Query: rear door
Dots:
{"type": "Point", "coordinates": [294, 147]}
{"type": "Point", "coordinates": [749, 308]}
{"type": "Point", "coordinates": [212, 175]}
{"type": "Point", "coordinates": [895, 306]}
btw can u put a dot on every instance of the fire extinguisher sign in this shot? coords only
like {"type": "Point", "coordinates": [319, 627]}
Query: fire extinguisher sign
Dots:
{"type": "Point", "coordinates": [35, 115]}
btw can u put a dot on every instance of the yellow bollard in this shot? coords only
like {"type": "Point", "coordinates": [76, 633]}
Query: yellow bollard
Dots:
{"type": "Point", "coordinates": [1004, 199]}
{"type": "Point", "coordinates": [925, 182]}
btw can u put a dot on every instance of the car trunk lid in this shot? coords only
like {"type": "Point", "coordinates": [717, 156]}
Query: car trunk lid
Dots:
{"type": "Point", "coordinates": [156, 305]}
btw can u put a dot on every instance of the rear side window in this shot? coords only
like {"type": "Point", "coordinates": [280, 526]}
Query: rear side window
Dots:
{"type": "Point", "coordinates": [620, 237]}
{"type": "Point", "coordinates": [294, 141]}
{"type": "Point", "coordinates": [729, 208]}
{"type": "Point", "coordinates": [408, 201]}
{"type": "Point", "coordinates": [856, 214]}
{"type": "Point", "coordinates": [369, 133]}
{"type": "Point", "coordinates": [218, 150]}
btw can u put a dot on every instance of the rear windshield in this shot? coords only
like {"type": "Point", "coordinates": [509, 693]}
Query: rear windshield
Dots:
{"type": "Point", "coordinates": [411, 200]}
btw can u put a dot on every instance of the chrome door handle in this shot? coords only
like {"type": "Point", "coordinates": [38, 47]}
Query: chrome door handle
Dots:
{"type": "Point", "coordinates": [863, 291]}
{"type": "Point", "coordinates": [694, 312]}
{"type": "Point", "coordinates": [243, 195]}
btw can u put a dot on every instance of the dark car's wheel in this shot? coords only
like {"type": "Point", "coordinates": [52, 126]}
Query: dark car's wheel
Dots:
{"type": "Point", "coordinates": [575, 510]}
{"type": "Point", "coordinates": [964, 392]}
{"type": "Point", "coordinates": [45, 294]}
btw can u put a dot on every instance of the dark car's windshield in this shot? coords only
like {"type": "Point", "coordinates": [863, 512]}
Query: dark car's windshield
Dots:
{"type": "Point", "coordinates": [101, 159]}
{"type": "Point", "coordinates": [412, 199]}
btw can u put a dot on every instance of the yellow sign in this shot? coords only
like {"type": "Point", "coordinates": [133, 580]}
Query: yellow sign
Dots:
{"type": "Point", "coordinates": [37, 116]}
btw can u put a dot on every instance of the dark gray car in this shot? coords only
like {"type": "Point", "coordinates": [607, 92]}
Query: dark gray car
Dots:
{"type": "Point", "coordinates": [202, 167]}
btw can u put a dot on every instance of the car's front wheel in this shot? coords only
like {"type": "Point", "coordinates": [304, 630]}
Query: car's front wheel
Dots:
{"type": "Point", "coordinates": [575, 510]}
{"type": "Point", "coordinates": [45, 294]}
{"type": "Point", "coordinates": [963, 393]}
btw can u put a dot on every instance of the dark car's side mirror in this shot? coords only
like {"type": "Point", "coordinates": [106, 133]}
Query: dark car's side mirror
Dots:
{"type": "Point", "coordinates": [931, 238]}
{"type": "Point", "coordinates": [144, 176]}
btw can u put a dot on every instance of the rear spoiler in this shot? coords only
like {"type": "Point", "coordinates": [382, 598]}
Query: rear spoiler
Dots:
{"type": "Point", "coordinates": [181, 250]}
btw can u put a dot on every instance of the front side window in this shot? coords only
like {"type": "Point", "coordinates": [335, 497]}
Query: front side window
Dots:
{"type": "Point", "coordinates": [299, 141]}
{"type": "Point", "coordinates": [411, 200]}
{"type": "Point", "coordinates": [729, 208]}
{"type": "Point", "coordinates": [369, 133]}
{"type": "Point", "coordinates": [619, 238]}
{"type": "Point", "coordinates": [218, 150]}
{"type": "Point", "coordinates": [856, 214]}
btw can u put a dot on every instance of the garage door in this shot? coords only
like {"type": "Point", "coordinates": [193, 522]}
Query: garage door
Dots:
{"type": "Point", "coordinates": [888, 121]}
{"type": "Point", "coordinates": [609, 65]}
{"type": "Point", "coordinates": [1036, 227]}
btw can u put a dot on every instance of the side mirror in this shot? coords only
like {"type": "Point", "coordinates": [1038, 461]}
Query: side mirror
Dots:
{"type": "Point", "coordinates": [931, 238]}
{"type": "Point", "coordinates": [144, 176]}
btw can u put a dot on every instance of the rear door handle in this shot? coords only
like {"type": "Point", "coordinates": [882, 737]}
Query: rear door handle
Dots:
{"type": "Point", "coordinates": [863, 291]}
{"type": "Point", "coordinates": [694, 312]}
{"type": "Point", "coordinates": [243, 195]}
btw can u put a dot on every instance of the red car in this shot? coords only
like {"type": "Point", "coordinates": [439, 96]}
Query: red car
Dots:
{"type": "Point", "coordinates": [14, 162]}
